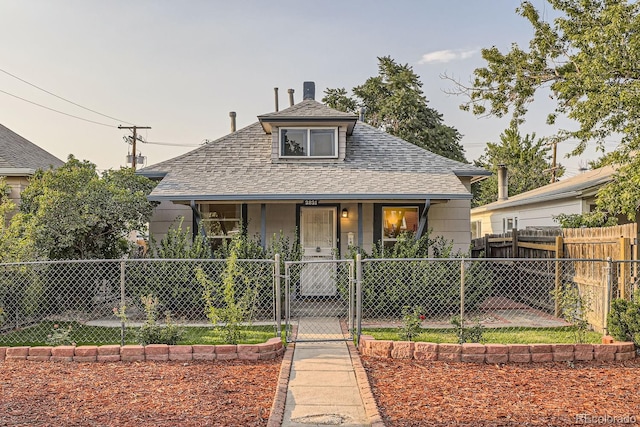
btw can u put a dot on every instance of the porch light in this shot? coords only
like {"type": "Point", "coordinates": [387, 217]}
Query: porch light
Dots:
{"type": "Point", "coordinates": [345, 213]}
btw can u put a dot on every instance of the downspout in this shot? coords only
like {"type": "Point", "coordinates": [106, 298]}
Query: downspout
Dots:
{"type": "Point", "coordinates": [422, 226]}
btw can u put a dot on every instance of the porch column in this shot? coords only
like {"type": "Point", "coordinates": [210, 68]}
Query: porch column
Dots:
{"type": "Point", "coordinates": [196, 220]}
{"type": "Point", "coordinates": [263, 225]}
{"type": "Point", "coordinates": [422, 226]}
{"type": "Point", "coordinates": [360, 227]}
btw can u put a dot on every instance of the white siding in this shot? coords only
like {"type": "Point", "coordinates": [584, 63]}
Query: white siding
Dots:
{"type": "Point", "coordinates": [533, 215]}
{"type": "Point", "coordinates": [165, 215]}
{"type": "Point", "coordinates": [451, 220]}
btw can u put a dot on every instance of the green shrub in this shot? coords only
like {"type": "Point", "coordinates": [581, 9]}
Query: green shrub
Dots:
{"type": "Point", "coordinates": [466, 334]}
{"type": "Point", "coordinates": [153, 333]}
{"type": "Point", "coordinates": [411, 323]}
{"type": "Point", "coordinates": [574, 308]}
{"type": "Point", "coordinates": [624, 319]}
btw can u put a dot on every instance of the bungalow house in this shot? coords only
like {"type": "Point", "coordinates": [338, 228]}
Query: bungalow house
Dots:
{"type": "Point", "coordinates": [536, 208]}
{"type": "Point", "coordinates": [317, 173]}
{"type": "Point", "coordinates": [19, 160]}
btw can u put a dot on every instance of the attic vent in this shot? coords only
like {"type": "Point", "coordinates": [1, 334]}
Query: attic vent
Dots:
{"type": "Point", "coordinates": [309, 90]}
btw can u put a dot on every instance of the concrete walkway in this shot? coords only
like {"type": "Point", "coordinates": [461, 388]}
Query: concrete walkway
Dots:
{"type": "Point", "coordinates": [322, 385]}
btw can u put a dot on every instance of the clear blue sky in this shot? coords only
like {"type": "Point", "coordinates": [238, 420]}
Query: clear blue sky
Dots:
{"type": "Point", "coordinates": [181, 66]}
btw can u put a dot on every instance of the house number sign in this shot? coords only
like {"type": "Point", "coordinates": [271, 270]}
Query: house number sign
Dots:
{"type": "Point", "coordinates": [311, 203]}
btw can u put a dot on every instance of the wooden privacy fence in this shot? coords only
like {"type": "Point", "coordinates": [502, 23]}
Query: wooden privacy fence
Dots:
{"type": "Point", "coordinates": [601, 280]}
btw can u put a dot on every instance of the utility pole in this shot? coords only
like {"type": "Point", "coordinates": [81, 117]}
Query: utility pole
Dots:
{"type": "Point", "coordinates": [135, 138]}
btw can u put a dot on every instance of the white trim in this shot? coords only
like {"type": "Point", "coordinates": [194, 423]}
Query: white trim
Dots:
{"type": "Point", "coordinates": [17, 171]}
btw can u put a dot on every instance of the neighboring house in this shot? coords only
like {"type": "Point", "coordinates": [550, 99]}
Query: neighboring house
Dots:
{"type": "Point", "coordinates": [319, 171]}
{"type": "Point", "coordinates": [536, 208]}
{"type": "Point", "coordinates": [19, 160]}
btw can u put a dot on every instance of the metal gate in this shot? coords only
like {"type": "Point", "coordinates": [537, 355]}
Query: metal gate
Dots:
{"type": "Point", "coordinates": [319, 300]}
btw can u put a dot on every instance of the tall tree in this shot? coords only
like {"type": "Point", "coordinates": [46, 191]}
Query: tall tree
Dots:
{"type": "Point", "coordinates": [73, 213]}
{"type": "Point", "coordinates": [587, 61]}
{"type": "Point", "coordinates": [394, 102]}
{"type": "Point", "coordinates": [526, 160]}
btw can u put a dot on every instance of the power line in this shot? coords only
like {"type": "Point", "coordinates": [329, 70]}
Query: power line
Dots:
{"type": "Point", "coordinates": [171, 144]}
{"type": "Point", "coordinates": [57, 111]}
{"type": "Point", "coordinates": [64, 99]}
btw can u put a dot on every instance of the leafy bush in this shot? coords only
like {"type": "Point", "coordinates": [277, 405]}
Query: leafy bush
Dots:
{"type": "Point", "coordinates": [465, 334]}
{"type": "Point", "coordinates": [411, 322]}
{"type": "Point", "coordinates": [624, 319]}
{"type": "Point", "coordinates": [574, 308]}
{"type": "Point", "coordinates": [60, 336]}
{"type": "Point", "coordinates": [153, 333]}
{"type": "Point", "coordinates": [588, 219]}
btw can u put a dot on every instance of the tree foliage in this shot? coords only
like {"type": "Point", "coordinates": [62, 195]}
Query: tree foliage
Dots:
{"type": "Point", "coordinates": [73, 213]}
{"type": "Point", "coordinates": [586, 60]}
{"type": "Point", "coordinates": [586, 220]}
{"type": "Point", "coordinates": [526, 159]}
{"type": "Point", "coordinates": [394, 102]}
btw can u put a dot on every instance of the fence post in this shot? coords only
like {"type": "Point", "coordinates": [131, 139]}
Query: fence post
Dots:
{"type": "Point", "coordinates": [276, 284]}
{"type": "Point", "coordinates": [358, 298]}
{"type": "Point", "coordinates": [607, 297]}
{"type": "Point", "coordinates": [558, 279]}
{"type": "Point", "coordinates": [487, 247]}
{"type": "Point", "coordinates": [122, 300]}
{"type": "Point", "coordinates": [514, 243]}
{"type": "Point", "coordinates": [462, 293]}
{"type": "Point", "coordinates": [625, 271]}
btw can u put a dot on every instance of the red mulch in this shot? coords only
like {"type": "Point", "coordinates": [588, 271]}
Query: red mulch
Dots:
{"type": "Point", "coordinates": [421, 393]}
{"type": "Point", "coordinates": [186, 394]}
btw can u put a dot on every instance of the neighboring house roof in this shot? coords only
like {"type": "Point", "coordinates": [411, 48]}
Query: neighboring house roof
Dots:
{"type": "Point", "coordinates": [583, 185]}
{"type": "Point", "coordinates": [21, 157]}
{"type": "Point", "coordinates": [377, 166]}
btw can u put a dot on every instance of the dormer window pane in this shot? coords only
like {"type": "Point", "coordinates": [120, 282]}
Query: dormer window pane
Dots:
{"type": "Point", "coordinates": [322, 143]}
{"type": "Point", "coordinates": [306, 142]}
{"type": "Point", "coordinates": [293, 142]}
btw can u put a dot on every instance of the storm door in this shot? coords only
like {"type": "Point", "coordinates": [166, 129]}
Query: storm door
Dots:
{"type": "Point", "coordinates": [318, 239]}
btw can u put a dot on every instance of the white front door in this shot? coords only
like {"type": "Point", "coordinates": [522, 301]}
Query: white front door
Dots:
{"type": "Point", "coordinates": [318, 238]}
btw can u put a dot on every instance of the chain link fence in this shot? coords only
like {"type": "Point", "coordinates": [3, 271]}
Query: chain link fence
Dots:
{"type": "Point", "coordinates": [40, 299]}
{"type": "Point", "coordinates": [319, 289]}
{"type": "Point", "coordinates": [495, 293]}
{"type": "Point", "coordinates": [79, 300]}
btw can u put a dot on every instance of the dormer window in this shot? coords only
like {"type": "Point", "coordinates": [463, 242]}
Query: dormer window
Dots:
{"type": "Point", "coordinates": [309, 142]}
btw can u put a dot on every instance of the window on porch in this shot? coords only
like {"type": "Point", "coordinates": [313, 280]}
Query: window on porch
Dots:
{"type": "Point", "coordinates": [221, 222]}
{"type": "Point", "coordinates": [397, 220]}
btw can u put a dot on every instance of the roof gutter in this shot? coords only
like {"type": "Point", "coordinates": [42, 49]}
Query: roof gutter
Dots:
{"type": "Point", "coordinates": [299, 197]}
{"type": "Point", "coordinates": [17, 171]}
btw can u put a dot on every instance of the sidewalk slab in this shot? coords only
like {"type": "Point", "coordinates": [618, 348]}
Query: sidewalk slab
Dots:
{"type": "Point", "coordinates": [323, 389]}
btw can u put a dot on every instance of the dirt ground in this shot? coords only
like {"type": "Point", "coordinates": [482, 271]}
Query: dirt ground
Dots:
{"type": "Point", "coordinates": [420, 393]}
{"type": "Point", "coordinates": [186, 394]}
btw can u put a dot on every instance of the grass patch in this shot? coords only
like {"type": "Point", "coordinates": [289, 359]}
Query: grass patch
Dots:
{"type": "Point", "coordinates": [560, 335]}
{"type": "Point", "coordinates": [99, 335]}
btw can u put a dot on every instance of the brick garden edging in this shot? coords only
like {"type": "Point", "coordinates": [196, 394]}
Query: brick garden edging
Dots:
{"type": "Point", "coordinates": [157, 352]}
{"type": "Point", "coordinates": [496, 353]}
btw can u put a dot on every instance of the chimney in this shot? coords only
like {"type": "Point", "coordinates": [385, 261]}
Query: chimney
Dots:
{"type": "Point", "coordinates": [232, 114]}
{"type": "Point", "coordinates": [503, 183]}
{"type": "Point", "coordinates": [308, 90]}
{"type": "Point", "coordinates": [363, 110]}
{"type": "Point", "coordinates": [290, 91]}
{"type": "Point", "coordinates": [275, 90]}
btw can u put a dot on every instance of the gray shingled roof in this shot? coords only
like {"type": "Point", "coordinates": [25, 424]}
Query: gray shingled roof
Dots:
{"type": "Point", "coordinates": [577, 186]}
{"type": "Point", "coordinates": [309, 108]}
{"type": "Point", "coordinates": [17, 152]}
{"type": "Point", "coordinates": [377, 166]}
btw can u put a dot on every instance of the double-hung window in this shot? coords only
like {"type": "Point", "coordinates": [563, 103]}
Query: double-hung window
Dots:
{"type": "Point", "coordinates": [306, 142]}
